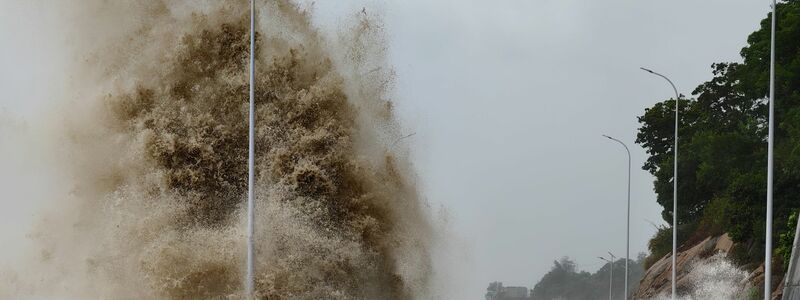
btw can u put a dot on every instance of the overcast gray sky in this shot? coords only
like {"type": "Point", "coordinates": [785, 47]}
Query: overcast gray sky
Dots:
{"type": "Point", "coordinates": [509, 100]}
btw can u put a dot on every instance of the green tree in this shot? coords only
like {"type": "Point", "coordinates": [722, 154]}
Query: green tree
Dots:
{"type": "Point", "coordinates": [722, 163]}
{"type": "Point", "coordinates": [564, 281]}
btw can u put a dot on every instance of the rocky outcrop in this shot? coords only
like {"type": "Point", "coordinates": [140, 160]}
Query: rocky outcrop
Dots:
{"type": "Point", "coordinates": [657, 279]}
{"type": "Point", "coordinates": [757, 279]}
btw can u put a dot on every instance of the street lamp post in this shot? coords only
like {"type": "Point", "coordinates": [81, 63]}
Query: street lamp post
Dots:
{"type": "Point", "coordinates": [610, 276]}
{"type": "Point", "coordinates": [770, 139]}
{"type": "Point", "coordinates": [628, 225]}
{"type": "Point", "coordinates": [251, 158]}
{"type": "Point", "coordinates": [674, 184]}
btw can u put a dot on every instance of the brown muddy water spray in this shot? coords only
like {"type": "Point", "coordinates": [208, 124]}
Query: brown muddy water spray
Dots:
{"type": "Point", "coordinates": [154, 139]}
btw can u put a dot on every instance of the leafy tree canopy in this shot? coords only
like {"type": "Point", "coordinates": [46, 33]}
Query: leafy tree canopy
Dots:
{"type": "Point", "coordinates": [565, 281]}
{"type": "Point", "coordinates": [722, 139]}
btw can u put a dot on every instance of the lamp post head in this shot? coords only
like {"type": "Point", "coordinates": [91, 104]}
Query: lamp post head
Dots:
{"type": "Point", "coordinates": [608, 137]}
{"type": "Point", "coordinates": [648, 70]}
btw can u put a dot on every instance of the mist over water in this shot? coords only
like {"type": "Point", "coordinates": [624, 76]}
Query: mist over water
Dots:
{"type": "Point", "coordinates": [153, 138]}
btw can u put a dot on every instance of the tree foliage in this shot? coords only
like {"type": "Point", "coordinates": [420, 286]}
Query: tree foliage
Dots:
{"type": "Point", "coordinates": [565, 281]}
{"type": "Point", "coordinates": [722, 139]}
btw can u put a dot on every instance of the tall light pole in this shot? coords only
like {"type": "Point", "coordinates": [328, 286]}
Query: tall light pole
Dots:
{"type": "Point", "coordinates": [674, 184]}
{"type": "Point", "coordinates": [628, 225]}
{"type": "Point", "coordinates": [770, 139]}
{"type": "Point", "coordinates": [610, 276]}
{"type": "Point", "coordinates": [251, 157]}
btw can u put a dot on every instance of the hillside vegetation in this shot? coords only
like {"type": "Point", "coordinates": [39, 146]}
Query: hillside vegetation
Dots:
{"type": "Point", "coordinates": [723, 151]}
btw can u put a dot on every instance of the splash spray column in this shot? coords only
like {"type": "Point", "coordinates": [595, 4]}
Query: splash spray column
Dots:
{"type": "Point", "coordinates": [251, 159]}
{"type": "Point", "coordinates": [770, 140]}
{"type": "Point", "coordinates": [628, 224]}
{"type": "Point", "coordinates": [674, 185]}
